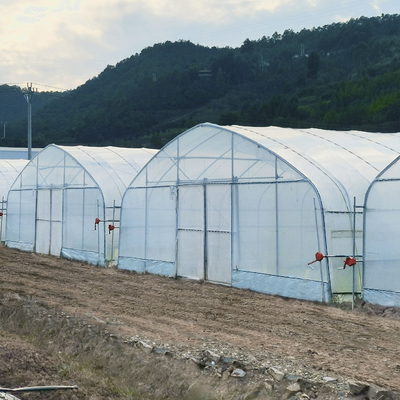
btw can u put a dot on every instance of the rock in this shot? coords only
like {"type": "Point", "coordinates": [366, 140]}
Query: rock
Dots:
{"type": "Point", "coordinates": [293, 388]}
{"type": "Point", "coordinates": [228, 360]}
{"type": "Point", "coordinates": [212, 356]}
{"type": "Point", "coordinates": [238, 373]}
{"type": "Point", "coordinates": [357, 387]}
{"type": "Point", "coordinates": [163, 352]}
{"type": "Point", "coordinates": [311, 394]}
{"type": "Point", "coordinates": [378, 393]}
{"type": "Point", "coordinates": [199, 362]}
{"type": "Point", "coordinates": [329, 379]}
{"type": "Point", "coordinates": [276, 374]}
{"type": "Point", "coordinates": [293, 378]}
{"type": "Point", "coordinates": [145, 347]}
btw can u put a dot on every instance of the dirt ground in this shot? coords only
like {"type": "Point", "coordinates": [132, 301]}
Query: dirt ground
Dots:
{"type": "Point", "coordinates": [121, 335]}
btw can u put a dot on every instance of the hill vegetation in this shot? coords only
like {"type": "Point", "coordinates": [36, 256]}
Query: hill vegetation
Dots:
{"type": "Point", "coordinates": [341, 76]}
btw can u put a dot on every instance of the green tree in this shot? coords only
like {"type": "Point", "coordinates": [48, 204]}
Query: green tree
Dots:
{"type": "Point", "coordinates": [313, 65]}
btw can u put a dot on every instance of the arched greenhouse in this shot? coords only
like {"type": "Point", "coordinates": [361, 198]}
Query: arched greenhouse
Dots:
{"type": "Point", "coordinates": [66, 201]}
{"type": "Point", "coordinates": [251, 206]}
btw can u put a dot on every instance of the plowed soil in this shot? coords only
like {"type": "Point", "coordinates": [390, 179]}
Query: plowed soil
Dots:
{"type": "Point", "coordinates": [54, 311]}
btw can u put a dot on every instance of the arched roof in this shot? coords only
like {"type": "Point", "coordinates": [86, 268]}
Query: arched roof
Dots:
{"type": "Point", "coordinates": [340, 164]}
{"type": "Point", "coordinates": [9, 170]}
{"type": "Point", "coordinates": [109, 168]}
{"type": "Point", "coordinates": [350, 160]}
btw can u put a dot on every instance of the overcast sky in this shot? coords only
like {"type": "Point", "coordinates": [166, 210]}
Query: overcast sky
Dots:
{"type": "Point", "coordinates": [60, 44]}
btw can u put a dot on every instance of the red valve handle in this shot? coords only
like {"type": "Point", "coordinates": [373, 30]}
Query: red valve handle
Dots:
{"type": "Point", "coordinates": [350, 261]}
{"type": "Point", "coordinates": [318, 257]}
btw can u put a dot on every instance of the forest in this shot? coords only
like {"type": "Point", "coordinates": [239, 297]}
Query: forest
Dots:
{"type": "Point", "coordinates": [343, 76]}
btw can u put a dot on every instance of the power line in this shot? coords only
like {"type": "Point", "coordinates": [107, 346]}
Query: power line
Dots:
{"type": "Point", "coordinates": [52, 87]}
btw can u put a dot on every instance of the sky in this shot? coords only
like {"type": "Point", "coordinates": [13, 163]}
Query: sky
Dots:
{"type": "Point", "coordinates": [60, 44]}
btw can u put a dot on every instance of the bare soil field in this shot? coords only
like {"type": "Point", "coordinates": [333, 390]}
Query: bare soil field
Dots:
{"type": "Point", "coordinates": [121, 335]}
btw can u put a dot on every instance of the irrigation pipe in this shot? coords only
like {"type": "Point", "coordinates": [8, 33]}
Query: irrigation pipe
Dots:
{"type": "Point", "coordinates": [37, 388]}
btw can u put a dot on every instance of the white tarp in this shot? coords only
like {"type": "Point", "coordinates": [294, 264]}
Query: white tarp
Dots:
{"type": "Point", "coordinates": [250, 207]}
{"type": "Point", "coordinates": [55, 201]}
{"type": "Point", "coordinates": [382, 238]}
{"type": "Point", "coordinates": [9, 170]}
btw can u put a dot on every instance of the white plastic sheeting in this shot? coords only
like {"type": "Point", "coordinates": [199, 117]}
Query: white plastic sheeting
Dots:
{"type": "Point", "coordinates": [382, 238]}
{"type": "Point", "coordinates": [54, 202]}
{"type": "Point", "coordinates": [250, 207]}
{"type": "Point", "coordinates": [9, 170]}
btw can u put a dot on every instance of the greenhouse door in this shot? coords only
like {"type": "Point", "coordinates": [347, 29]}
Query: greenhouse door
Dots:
{"type": "Point", "coordinates": [218, 233]}
{"type": "Point", "coordinates": [204, 232]}
{"type": "Point", "coordinates": [49, 221]}
{"type": "Point", "coordinates": [191, 232]}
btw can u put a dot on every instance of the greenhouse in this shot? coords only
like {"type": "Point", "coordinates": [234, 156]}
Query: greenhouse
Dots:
{"type": "Point", "coordinates": [252, 207]}
{"type": "Point", "coordinates": [16, 153]}
{"type": "Point", "coordinates": [9, 170]}
{"type": "Point", "coordinates": [66, 201]}
{"type": "Point", "coordinates": [382, 237]}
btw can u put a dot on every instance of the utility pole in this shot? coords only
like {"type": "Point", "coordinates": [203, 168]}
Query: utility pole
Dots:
{"type": "Point", "coordinates": [28, 94]}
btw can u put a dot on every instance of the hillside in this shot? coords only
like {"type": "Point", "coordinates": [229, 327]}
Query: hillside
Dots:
{"type": "Point", "coordinates": [339, 76]}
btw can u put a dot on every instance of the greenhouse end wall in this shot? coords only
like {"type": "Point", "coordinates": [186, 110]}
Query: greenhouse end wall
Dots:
{"type": "Point", "coordinates": [9, 170]}
{"type": "Point", "coordinates": [381, 239]}
{"type": "Point", "coordinates": [58, 206]}
{"type": "Point", "coordinates": [214, 205]}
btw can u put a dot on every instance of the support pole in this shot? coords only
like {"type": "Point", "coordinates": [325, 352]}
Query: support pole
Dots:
{"type": "Point", "coordinates": [112, 234]}
{"type": "Point", "coordinates": [1, 218]}
{"type": "Point", "coordinates": [320, 266]}
{"type": "Point", "coordinates": [354, 253]}
{"type": "Point", "coordinates": [28, 94]}
{"type": "Point", "coordinates": [98, 232]}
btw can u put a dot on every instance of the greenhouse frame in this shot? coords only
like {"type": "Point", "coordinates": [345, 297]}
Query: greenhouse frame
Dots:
{"type": "Point", "coordinates": [251, 207]}
{"type": "Point", "coordinates": [381, 238]}
{"type": "Point", "coordinates": [9, 170]}
{"type": "Point", "coordinates": [66, 201]}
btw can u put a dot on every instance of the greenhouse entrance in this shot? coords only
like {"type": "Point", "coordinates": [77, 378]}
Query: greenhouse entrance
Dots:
{"type": "Point", "coordinates": [204, 232]}
{"type": "Point", "coordinates": [49, 221]}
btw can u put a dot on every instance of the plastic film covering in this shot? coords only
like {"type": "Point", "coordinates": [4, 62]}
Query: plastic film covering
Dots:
{"type": "Point", "coordinates": [381, 239]}
{"type": "Point", "coordinates": [228, 210]}
{"type": "Point", "coordinates": [62, 191]}
{"type": "Point", "coordinates": [281, 285]}
{"type": "Point", "coordinates": [9, 170]}
{"type": "Point", "coordinates": [17, 153]}
{"type": "Point", "coordinates": [250, 206]}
